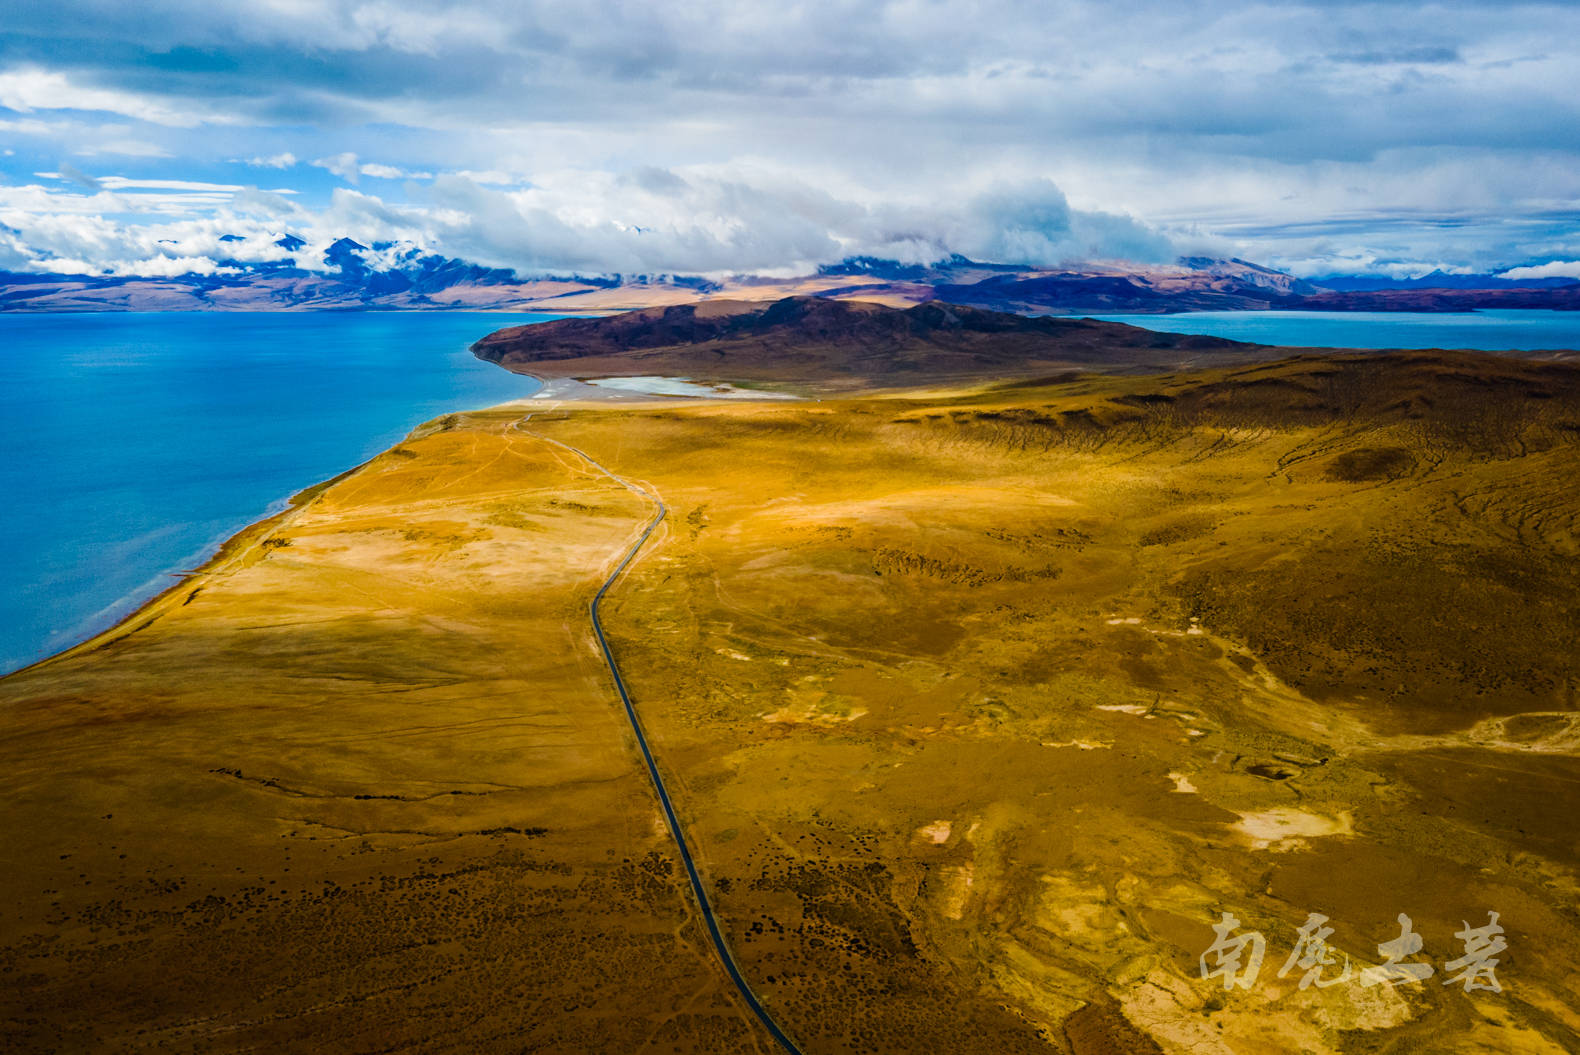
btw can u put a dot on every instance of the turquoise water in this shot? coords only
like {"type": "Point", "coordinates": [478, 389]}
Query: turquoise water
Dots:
{"type": "Point", "coordinates": [131, 445]}
{"type": "Point", "coordinates": [1487, 330]}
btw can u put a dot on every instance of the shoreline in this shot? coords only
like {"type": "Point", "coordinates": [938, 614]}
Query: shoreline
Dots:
{"type": "Point", "coordinates": [558, 391]}
{"type": "Point", "coordinates": [231, 548]}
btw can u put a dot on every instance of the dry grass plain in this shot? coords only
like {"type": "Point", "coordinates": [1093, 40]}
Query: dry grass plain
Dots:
{"type": "Point", "coordinates": [980, 706]}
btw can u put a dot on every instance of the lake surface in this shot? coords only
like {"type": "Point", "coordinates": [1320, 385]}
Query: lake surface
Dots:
{"type": "Point", "coordinates": [131, 445]}
{"type": "Point", "coordinates": [1494, 331]}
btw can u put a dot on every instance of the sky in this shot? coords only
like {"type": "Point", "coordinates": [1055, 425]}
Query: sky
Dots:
{"type": "Point", "coordinates": [731, 137]}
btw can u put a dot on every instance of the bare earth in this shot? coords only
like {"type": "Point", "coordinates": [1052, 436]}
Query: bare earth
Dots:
{"type": "Point", "coordinates": [981, 705]}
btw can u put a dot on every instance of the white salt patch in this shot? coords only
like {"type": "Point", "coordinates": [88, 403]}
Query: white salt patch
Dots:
{"type": "Point", "coordinates": [1288, 829]}
{"type": "Point", "coordinates": [680, 386]}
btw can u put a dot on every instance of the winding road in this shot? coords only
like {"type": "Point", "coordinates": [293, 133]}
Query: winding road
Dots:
{"type": "Point", "coordinates": [675, 829]}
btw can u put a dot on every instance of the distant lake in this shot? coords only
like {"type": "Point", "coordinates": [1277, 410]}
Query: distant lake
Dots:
{"type": "Point", "coordinates": [1493, 331]}
{"type": "Point", "coordinates": [131, 445]}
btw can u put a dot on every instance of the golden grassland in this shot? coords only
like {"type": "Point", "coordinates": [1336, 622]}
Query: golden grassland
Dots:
{"type": "Point", "coordinates": [980, 706]}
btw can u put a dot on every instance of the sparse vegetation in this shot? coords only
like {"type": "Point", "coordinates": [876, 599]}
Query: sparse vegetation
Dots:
{"type": "Point", "coordinates": [975, 704]}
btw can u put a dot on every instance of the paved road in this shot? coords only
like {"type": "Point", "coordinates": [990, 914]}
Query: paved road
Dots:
{"type": "Point", "coordinates": [697, 888]}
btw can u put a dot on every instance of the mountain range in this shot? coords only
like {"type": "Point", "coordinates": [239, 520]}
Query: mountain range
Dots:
{"type": "Point", "coordinates": [385, 276]}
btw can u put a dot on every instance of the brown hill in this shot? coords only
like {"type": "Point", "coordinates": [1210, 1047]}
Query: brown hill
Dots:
{"type": "Point", "coordinates": [802, 338]}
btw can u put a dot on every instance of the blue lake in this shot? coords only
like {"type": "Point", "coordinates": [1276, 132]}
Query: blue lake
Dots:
{"type": "Point", "coordinates": [131, 445]}
{"type": "Point", "coordinates": [1493, 331]}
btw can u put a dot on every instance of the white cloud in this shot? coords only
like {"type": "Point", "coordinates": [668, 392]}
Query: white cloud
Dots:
{"type": "Point", "coordinates": [1390, 137]}
{"type": "Point", "coordinates": [39, 202]}
{"type": "Point", "coordinates": [712, 222]}
{"type": "Point", "coordinates": [171, 267]}
{"type": "Point", "coordinates": [492, 177]}
{"type": "Point", "coordinates": [273, 161]}
{"type": "Point", "coordinates": [346, 166]}
{"type": "Point", "coordinates": [67, 243]}
{"type": "Point", "coordinates": [253, 201]}
{"type": "Point", "coordinates": [343, 165]}
{"type": "Point", "coordinates": [26, 127]}
{"type": "Point", "coordinates": [1552, 269]}
{"type": "Point", "coordinates": [653, 221]}
{"type": "Point", "coordinates": [27, 90]}
{"type": "Point", "coordinates": [378, 171]}
{"type": "Point", "coordinates": [123, 183]}
{"type": "Point", "coordinates": [135, 148]}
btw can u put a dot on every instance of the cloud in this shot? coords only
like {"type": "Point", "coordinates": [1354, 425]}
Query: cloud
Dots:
{"type": "Point", "coordinates": [57, 241]}
{"type": "Point", "coordinates": [27, 127]}
{"type": "Point", "coordinates": [343, 165]}
{"type": "Point", "coordinates": [171, 267]}
{"type": "Point", "coordinates": [124, 183]}
{"type": "Point", "coordinates": [1301, 131]}
{"type": "Point", "coordinates": [252, 201]}
{"type": "Point", "coordinates": [77, 176]}
{"type": "Point", "coordinates": [662, 221]}
{"type": "Point", "coordinates": [1033, 223]}
{"type": "Point", "coordinates": [651, 221]}
{"type": "Point", "coordinates": [492, 177]}
{"type": "Point", "coordinates": [135, 148]}
{"type": "Point", "coordinates": [27, 90]}
{"type": "Point", "coordinates": [378, 171]}
{"type": "Point", "coordinates": [727, 219]}
{"type": "Point", "coordinates": [1552, 269]}
{"type": "Point", "coordinates": [1416, 54]}
{"type": "Point", "coordinates": [346, 166]}
{"type": "Point", "coordinates": [273, 161]}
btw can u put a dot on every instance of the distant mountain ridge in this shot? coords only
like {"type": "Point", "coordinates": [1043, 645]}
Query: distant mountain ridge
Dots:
{"type": "Point", "coordinates": [1437, 280]}
{"type": "Point", "coordinates": [352, 276]}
